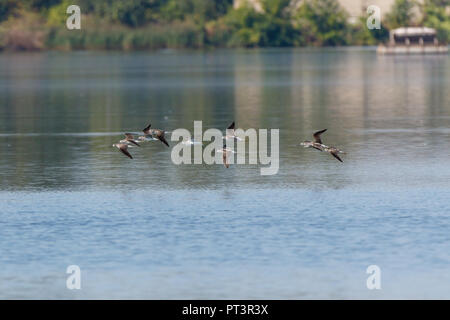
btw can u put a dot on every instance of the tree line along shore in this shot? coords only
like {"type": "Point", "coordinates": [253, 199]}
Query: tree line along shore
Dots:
{"type": "Point", "coordinates": [156, 24]}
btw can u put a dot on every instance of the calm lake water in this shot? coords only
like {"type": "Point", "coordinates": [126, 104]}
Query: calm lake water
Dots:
{"type": "Point", "coordinates": [147, 228]}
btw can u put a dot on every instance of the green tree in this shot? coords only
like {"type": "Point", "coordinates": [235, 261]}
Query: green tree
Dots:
{"type": "Point", "coordinates": [132, 13]}
{"type": "Point", "coordinates": [435, 15]}
{"type": "Point", "coordinates": [199, 10]}
{"type": "Point", "coordinates": [323, 22]}
{"type": "Point", "coordinates": [42, 4]}
{"type": "Point", "coordinates": [7, 7]}
{"type": "Point", "coordinates": [401, 14]}
{"type": "Point", "coordinates": [271, 28]}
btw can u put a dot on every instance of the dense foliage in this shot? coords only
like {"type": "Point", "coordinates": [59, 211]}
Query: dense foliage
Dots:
{"type": "Point", "coordinates": [149, 24]}
{"type": "Point", "coordinates": [436, 15]}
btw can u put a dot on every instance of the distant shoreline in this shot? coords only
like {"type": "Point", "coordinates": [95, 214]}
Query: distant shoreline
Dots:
{"type": "Point", "coordinates": [205, 49]}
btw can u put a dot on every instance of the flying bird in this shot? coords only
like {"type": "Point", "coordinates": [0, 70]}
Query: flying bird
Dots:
{"type": "Point", "coordinates": [155, 133]}
{"type": "Point", "coordinates": [129, 138]}
{"type": "Point", "coordinates": [225, 152]}
{"type": "Point", "coordinates": [230, 134]}
{"type": "Point", "coordinates": [123, 147]}
{"type": "Point", "coordinates": [225, 155]}
{"type": "Point", "coordinates": [318, 145]}
{"type": "Point", "coordinates": [334, 152]}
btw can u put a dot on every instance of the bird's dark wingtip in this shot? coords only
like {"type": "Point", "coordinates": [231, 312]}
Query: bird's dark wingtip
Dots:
{"type": "Point", "coordinates": [163, 140]}
{"type": "Point", "coordinates": [147, 127]}
{"type": "Point", "coordinates": [336, 156]}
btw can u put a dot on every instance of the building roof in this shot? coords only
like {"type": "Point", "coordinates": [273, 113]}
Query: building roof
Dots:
{"type": "Point", "coordinates": [414, 31]}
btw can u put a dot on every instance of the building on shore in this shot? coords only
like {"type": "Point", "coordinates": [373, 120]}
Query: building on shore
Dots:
{"type": "Point", "coordinates": [412, 40]}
